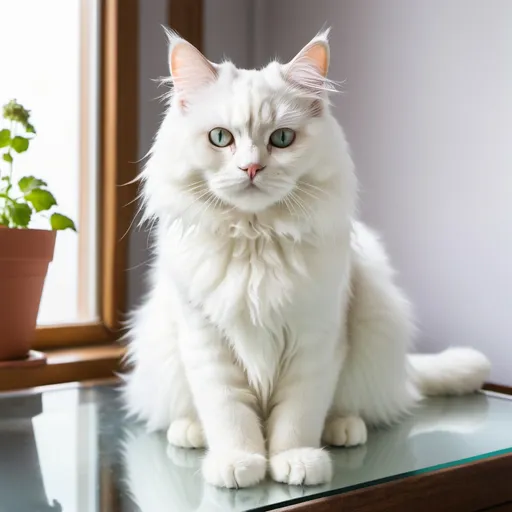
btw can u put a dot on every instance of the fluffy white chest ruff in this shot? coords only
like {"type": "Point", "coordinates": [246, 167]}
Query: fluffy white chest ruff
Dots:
{"type": "Point", "coordinates": [245, 285]}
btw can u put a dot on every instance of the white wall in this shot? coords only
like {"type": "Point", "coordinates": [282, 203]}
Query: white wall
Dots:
{"type": "Point", "coordinates": [228, 31]}
{"type": "Point", "coordinates": [428, 111]}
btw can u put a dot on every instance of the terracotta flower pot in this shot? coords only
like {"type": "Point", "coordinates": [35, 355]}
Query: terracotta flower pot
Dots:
{"type": "Point", "coordinates": [24, 258]}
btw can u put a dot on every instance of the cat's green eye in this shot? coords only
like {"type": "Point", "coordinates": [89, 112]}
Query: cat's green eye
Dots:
{"type": "Point", "coordinates": [220, 137]}
{"type": "Point", "coordinates": [282, 138]}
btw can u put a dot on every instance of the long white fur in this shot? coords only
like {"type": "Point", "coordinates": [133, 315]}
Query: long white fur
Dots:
{"type": "Point", "coordinates": [273, 324]}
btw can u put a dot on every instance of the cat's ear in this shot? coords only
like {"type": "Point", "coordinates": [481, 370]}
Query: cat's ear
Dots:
{"type": "Point", "coordinates": [308, 69]}
{"type": "Point", "coordinates": [190, 69]}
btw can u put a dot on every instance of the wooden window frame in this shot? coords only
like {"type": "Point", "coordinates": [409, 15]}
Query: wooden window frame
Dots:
{"type": "Point", "coordinates": [118, 148]}
{"type": "Point", "coordinates": [186, 18]}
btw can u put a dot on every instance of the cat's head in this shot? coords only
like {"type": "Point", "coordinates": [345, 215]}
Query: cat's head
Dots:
{"type": "Point", "coordinates": [248, 139]}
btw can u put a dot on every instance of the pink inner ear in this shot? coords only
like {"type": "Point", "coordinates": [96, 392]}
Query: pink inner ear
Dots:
{"type": "Point", "coordinates": [308, 69]}
{"type": "Point", "coordinates": [317, 54]}
{"type": "Point", "coordinates": [190, 70]}
{"type": "Point", "coordinates": [179, 59]}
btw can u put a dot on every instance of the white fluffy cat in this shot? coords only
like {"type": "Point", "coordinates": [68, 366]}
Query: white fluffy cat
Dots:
{"type": "Point", "coordinates": [273, 325]}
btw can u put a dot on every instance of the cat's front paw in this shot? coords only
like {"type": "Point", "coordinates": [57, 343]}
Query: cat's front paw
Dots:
{"type": "Point", "coordinates": [234, 469]}
{"type": "Point", "coordinates": [186, 433]}
{"type": "Point", "coordinates": [301, 466]}
{"type": "Point", "coordinates": [345, 431]}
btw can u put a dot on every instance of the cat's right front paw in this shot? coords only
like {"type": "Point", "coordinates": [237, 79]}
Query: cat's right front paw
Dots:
{"type": "Point", "coordinates": [234, 469]}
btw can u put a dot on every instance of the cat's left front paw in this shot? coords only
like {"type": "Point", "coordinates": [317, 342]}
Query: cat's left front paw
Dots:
{"type": "Point", "coordinates": [301, 466]}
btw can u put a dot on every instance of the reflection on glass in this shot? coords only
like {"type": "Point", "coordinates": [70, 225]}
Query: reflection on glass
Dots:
{"type": "Point", "coordinates": [21, 477]}
{"type": "Point", "coordinates": [75, 451]}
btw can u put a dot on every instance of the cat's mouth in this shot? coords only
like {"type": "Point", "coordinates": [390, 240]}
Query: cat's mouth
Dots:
{"type": "Point", "coordinates": [250, 186]}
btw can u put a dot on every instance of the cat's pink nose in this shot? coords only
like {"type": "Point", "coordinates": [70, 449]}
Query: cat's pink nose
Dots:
{"type": "Point", "coordinates": [252, 170]}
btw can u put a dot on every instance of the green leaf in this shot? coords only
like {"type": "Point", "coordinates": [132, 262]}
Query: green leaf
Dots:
{"type": "Point", "coordinates": [19, 144]}
{"type": "Point", "coordinates": [5, 137]}
{"type": "Point", "coordinates": [4, 220]}
{"type": "Point", "coordinates": [7, 158]}
{"type": "Point", "coordinates": [59, 222]}
{"type": "Point", "coordinates": [40, 199]}
{"type": "Point", "coordinates": [20, 214]}
{"type": "Point", "coordinates": [28, 183]}
{"type": "Point", "coordinates": [30, 128]}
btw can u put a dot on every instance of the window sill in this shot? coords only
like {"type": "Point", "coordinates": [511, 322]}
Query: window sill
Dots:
{"type": "Point", "coordinates": [66, 365]}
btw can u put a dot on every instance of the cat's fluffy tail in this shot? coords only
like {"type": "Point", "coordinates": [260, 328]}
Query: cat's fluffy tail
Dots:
{"type": "Point", "coordinates": [455, 371]}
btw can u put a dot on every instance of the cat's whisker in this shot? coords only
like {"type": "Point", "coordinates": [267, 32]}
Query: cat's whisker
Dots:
{"type": "Point", "coordinates": [314, 187]}
{"type": "Point", "coordinates": [217, 202]}
{"type": "Point", "coordinates": [309, 194]}
{"type": "Point", "coordinates": [137, 213]}
{"type": "Point", "coordinates": [282, 203]}
{"type": "Point", "coordinates": [155, 219]}
{"type": "Point", "coordinates": [137, 198]}
{"type": "Point", "coordinates": [196, 200]}
{"type": "Point", "coordinates": [209, 197]}
{"type": "Point", "coordinates": [198, 182]}
{"type": "Point", "coordinates": [226, 212]}
{"type": "Point", "coordinates": [303, 213]}
{"type": "Point", "coordinates": [300, 203]}
{"type": "Point", "coordinates": [207, 205]}
{"type": "Point", "coordinates": [195, 188]}
{"type": "Point", "coordinates": [290, 205]}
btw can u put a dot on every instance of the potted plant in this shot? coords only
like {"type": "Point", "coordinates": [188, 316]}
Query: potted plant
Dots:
{"type": "Point", "coordinates": [24, 253]}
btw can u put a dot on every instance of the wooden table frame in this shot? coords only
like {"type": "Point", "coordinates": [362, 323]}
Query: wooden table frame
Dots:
{"type": "Point", "coordinates": [481, 485]}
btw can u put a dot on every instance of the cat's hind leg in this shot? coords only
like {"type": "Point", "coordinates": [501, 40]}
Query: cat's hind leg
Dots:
{"type": "Point", "coordinates": [344, 431]}
{"type": "Point", "coordinates": [374, 383]}
{"type": "Point", "coordinates": [156, 390]}
{"type": "Point", "coordinates": [186, 433]}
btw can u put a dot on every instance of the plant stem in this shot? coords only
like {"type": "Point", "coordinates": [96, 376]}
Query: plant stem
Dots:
{"type": "Point", "coordinates": [7, 198]}
{"type": "Point", "coordinates": [11, 165]}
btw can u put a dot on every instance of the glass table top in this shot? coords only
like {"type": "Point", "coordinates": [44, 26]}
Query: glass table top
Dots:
{"type": "Point", "coordinates": [71, 449]}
